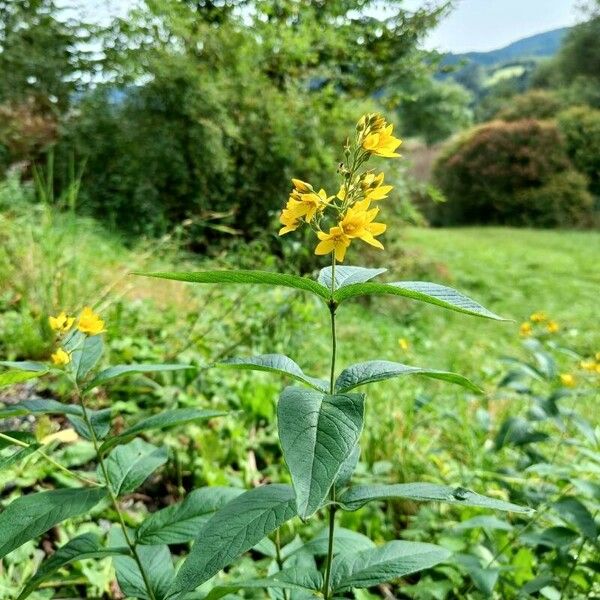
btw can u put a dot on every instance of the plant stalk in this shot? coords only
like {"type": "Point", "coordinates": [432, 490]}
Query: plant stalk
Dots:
{"type": "Point", "coordinates": [114, 499]}
{"type": "Point", "coordinates": [332, 308]}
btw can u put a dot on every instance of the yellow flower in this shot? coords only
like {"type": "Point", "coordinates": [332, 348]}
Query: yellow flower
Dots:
{"type": "Point", "coordinates": [373, 187]}
{"type": "Point", "coordinates": [358, 223]}
{"type": "Point", "coordinates": [289, 221]}
{"type": "Point", "coordinates": [60, 358]}
{"type": "Point", "coordinates": [588, 365]}
{"type": "Point", "coordinates": [552, 326]}
{"type": "Point", "coordinates": [567, 379]}
{"type": "Point", "coordinates": [307, 205]}
{"type": "Point", "coordinates": [404, 344]}
{"type": "Point", "coordinates": [302, 186]}
{"type": "Point", "coordinates": [61, 322]}
{"type": "Point", "coordinates": [382, 142]}
{"type": "Point", "coordinates": [90, 322]}
{"type": "Point", "coordinates": [525, 329]}
{"type": "Point", "coordinates": [334, 241]}
{"type": "Point", "coordinates": [538, 317]}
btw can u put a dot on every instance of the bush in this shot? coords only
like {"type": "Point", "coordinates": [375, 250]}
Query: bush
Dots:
{"type": "Point", "coordinates": [580, 127]}
{"type": "Point", "coordinates": [534, 104]}
{"type": "Point", "coordinates": [490, 174]}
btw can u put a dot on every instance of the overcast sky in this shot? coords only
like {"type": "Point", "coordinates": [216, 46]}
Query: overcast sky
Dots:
{"type": "Point", "coordinates": [473, 25]}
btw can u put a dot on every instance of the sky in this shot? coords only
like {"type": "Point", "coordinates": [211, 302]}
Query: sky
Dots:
{"type": "Point", "coordinates": [473, 25]}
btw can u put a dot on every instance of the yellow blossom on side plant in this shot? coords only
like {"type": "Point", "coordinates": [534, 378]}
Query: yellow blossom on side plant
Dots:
{"type": "Point", "coordinates": [404, 344]}
{"type": "Point", "coordinates": [567, 379]}
{"type": "Point", "coordinates": [525, 329]}
{"type": "Point", "coordinates": [60, 358]}
{"type": "Point", "coordinates": [358, 223]}
{"type": "Point", "coordinates": [90, 322]}
{"type": "Point", "coordinates": [538, 317]}
{"type": "Point", "coordinates": [335, 241]}
{"type": "Point", "coordinates": [378, 140]}
{"type": "Point", "coordinates": [61, 323]}
{"type": "Point", "coordinates": [588, 365]}
{"type": "Point", "coordinates": [552, 327]}
{"type": "Point", "coordinates": [373, 187]}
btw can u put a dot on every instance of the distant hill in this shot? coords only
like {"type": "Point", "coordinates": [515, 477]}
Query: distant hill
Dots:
{"type": "Point", "coordinates": [542, 45]}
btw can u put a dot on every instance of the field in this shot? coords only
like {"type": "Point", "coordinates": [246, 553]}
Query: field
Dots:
{"type": "Point", "coordinates": [416, 429]}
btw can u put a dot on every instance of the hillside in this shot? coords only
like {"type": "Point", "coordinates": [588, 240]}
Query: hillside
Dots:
{"type": "Point", "coordinates": [542, 45]}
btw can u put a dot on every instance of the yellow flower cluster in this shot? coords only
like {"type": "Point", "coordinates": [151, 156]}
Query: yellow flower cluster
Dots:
{"type": "Point", "coordinates": [88, 323]}
{"type": "Point", "coordinates": [592, 365]}
{"type": "Point", "coordinates": [538, 323]}
{"type": "Point", "coordinates": [348, 215]}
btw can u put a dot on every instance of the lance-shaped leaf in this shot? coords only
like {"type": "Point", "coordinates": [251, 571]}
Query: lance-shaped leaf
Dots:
{"type": "Point", "coordinates": [318, 432]}
{"type": "Point", "coordinates": [85, 353]}
{"type": "Point", "coordinates": [100, 420]}
{"type": "Point", "coordinates": [275, 363]}
{"type": "Point", "coordinates": [41, 407]}
{"type": "Point", "coordinates": [357, 496]}
{"type": "Point", "coordinates": [247, 277]}
{"type": "Point", "coordinates": [24, 365]}
{"type": "Point", "coordinates": [302, 580]}
{"type": "Point", "coordinates": [120, 370]}
{"type": "Point", "coordinates": [156, 562]}
{"type": "Point", "coordinates": [83, 546]}
{"type": "Point", "coordinates": [347, 276]}
{"type": "Point", "coordinates": [11, 377]}
{"type": "Point", "coordinates": [377, 565]}
{"type": "Point", "coordinates": [432, 293]}
{"type": "Point", "coordinates": [163, 420]}
{"type": "Point", "coordinates": [29, 516]}
{"type": "Point", "coordinates": [379, 370]}
{"type": "Point", "coordinates": [233, 530]}
{"type": "Point", "coordinates": [17, 456]}
{"type": "Point", "coordinates": [130, 465]}
{"type": "Point", "coordinates": [180, 523]}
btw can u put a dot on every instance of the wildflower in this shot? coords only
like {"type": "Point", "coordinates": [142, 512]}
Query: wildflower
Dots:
{"type": "Point", "coordinates": [538, 317]}
{"type": "Point", "coordinates": [380, 141]}
{"type": "Point", "coordinates": [567, 379]}
{"type": "Point", "coordinates": [334, 241]}
{"type": "Point", "coordinates": [404, 344]}
{"type": "Point", "coordinates": [289, 221]}
{"type": "Point", "coordinates": [588, 365]}
{"type": "Point", "coordinates": [302, 186]}
{"type": "Point", "coordinates": [61, 323]}
{"type": "Point", "coordinates": [307, 205]}
{"type": "Point", "coordinates": [552, 326]}
{"type": "Point", "coordinates": [358, 223]}
{"type": "Point", "coordinates": [373, 187]}
{"type": "Point", "coordinates": [60, 358]}
{"type": "Point", "coordinates": [90, 322]}
{"type": "Point", "coordinates": [525, 330]}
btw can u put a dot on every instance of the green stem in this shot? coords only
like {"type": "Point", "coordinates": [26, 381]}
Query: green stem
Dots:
{"type": "Point", "coordinates": [49, 459]}
{"type": "Point", "coordinates": [332, 308]}
{"type": "Point", "coordinates": [279, 558]}
{"type": "Point", "coordinates": [113, 497]}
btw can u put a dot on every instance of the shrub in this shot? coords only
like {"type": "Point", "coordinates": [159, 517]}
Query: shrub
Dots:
{"type": "Point", "coordinates": [580, 127]}
{"type": "Point", "coordinates": [489, 174]}
{"type": "Point", "coordinates": [534, 104]}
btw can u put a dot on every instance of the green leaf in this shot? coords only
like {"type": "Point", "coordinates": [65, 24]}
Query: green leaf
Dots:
{"type": "Point", "coordinates": [163, 420]}
{"type": "Point", "coordinates": [552, 537]}
{"type": "Point", "coordinates": [85, 353]}
{"type": "Point", "coordinates": [233, 530]}
{"type": "Point", "coordinates": [275, 363]}
{"type": "Point", "coordinates": [318, 432]}
{"type": "Point", "coordinates": [377, 565]}
{"type": "Point", "coordinates": [11, 377]}
{"type": "Point", "coordinates": [302, 580]}
{"type": "Point", "coordinates": [484, 578]}
{"type": "Point", "coordinates": [347, 469]}
{"type": "Point", "coordinates": [574, 511]}
{"type": "Point", "coordinates": [17, 456]}
{"type": "Point", "coordinates": [24, 365]}
{"type": "Point", "coordinates": [29, 516]}
{"type": "Point", "coordinates": [100, 419]}
{"type": "Point", "coordinates": [130, 465]}
{"type": "Point", "coordinates": [247, 277]}
{"type": "Point", "coordinates": [347, 276]}
{"type": "Point", "coordinates": [344, 541]}
{"type": "Point", "coordinates": [41, 407]}
{"type": "Point", "coordinates": [83, 546]}
{"type": "Point", "coordinates": [157, 564]}
{"type": "Point", "coordinates": [17, 436]}
{"type": "Point", "coordinates": [357, 496]}
{"type": "Point", "coordinates": [378, 370]}
{"type": "Point", "coordinates": [120, 370]}
{"type": "Point", "coordinates": [180, 523]}
{"type": "Point", "coordinates": [423, 291]}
